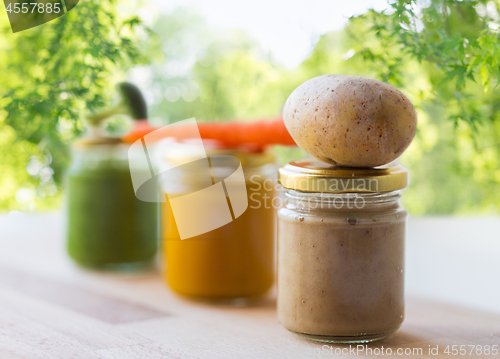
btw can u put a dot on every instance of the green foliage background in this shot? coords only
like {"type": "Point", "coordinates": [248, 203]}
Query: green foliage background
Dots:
{"type": "Point", "coordinates": [442, 54]}
{"type": "Point", "coordinates": [52, 73]}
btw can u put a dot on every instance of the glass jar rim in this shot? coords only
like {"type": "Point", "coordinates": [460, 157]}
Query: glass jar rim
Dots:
{"type": "Point", "coordinates": [371, 197]}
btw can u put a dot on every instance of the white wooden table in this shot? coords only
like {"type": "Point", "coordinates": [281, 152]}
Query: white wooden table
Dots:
{"type": "Point", "coordinates": [50, 308]}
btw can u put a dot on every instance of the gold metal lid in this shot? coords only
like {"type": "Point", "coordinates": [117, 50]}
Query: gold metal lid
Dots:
{"type": "Point", "coordinates": [176, 152]}
{"type": "Point", "coordinates": [311, 175]}
{"type": "Point", "coordinates": [87, 142]}
{"type": "Point", "coordinates": [247, 158]}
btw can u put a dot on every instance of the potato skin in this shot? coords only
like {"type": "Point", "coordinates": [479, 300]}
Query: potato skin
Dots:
{"type": "Point", "coordinates": [350, 121]}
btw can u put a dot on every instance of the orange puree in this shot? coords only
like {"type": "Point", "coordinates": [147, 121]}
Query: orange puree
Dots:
{"type": "Point", "coordinates": [236, 260]}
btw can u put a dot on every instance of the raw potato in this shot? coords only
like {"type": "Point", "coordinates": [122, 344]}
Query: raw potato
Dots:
{"type": "Point", "coordinates": [350, 121]}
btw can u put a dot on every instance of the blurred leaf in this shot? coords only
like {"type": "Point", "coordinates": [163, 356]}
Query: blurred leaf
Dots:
{"type": "Point", "coordinates": [53, 73]}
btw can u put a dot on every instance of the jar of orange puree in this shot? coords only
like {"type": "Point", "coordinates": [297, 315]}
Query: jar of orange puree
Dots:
{"type": "Point", "coordinates": [234, 261]}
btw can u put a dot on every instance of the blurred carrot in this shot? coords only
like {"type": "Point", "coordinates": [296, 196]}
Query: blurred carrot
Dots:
{"type": "Point", "coordinates": [229, 134]}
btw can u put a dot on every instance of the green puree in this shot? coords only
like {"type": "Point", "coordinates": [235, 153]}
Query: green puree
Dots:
{"type": "Point", "coordinates": [107, 224]}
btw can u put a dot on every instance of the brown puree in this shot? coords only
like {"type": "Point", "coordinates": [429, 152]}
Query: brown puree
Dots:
{"type": "Point", "coordinates": [341, 271]}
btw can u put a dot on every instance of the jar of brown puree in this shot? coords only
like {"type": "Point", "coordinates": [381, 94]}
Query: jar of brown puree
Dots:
{"type": "Point", "coordinates": [341, 236]}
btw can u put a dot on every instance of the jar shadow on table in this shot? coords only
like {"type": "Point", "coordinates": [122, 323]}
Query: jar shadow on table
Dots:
{"type": "Point", "coordinates": [134, 268]}
{"type": "Point", "coordinates": [265, 301]}
{"type": "Point", "coordinates": [125, 271]}
{"type": "Point", "coordinates": [399, 339]}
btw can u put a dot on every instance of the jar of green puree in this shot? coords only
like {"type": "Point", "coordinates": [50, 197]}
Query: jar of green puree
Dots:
{"type": "Point", "coordinates": [107, 226]}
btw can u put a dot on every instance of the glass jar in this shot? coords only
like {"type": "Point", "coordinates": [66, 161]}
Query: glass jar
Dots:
{"type": "Point", "coordinates": [234, 262]}
{"type": "Point", "coordinates": [107, 226]}
{"type": "Point", "coordinates": [341, 240]}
